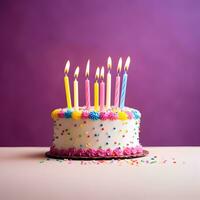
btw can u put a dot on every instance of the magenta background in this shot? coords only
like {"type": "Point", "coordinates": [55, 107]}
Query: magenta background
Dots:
{"type": "Point", "coordinates": [162, 38]}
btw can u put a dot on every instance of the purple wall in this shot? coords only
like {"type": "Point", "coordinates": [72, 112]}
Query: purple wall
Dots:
{"type": "Point", "coordinates": [162, 38]}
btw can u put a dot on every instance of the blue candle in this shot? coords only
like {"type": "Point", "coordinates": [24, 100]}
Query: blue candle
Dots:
{"type": "Point", "coordinates": [124, 83]}
{"type": "Point", "coordinates": [123, 91]}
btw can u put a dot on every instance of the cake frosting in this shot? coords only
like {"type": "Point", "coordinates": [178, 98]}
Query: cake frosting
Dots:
{"type": "Point", "coordinates": [88, 133]}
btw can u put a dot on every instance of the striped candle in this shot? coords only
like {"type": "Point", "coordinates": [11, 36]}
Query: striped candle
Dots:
{"type": "Point", "coordinates": [123, 91]}
{"type": "Point", "coordinates": [117, 84]}
{"type": "Point", "coordinates": [124, 83]}
{"type": "Point", "coordinates": [117, 89]}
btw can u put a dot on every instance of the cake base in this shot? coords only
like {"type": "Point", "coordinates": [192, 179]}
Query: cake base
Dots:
{"type": "Point", "coordinates": [137, 155]}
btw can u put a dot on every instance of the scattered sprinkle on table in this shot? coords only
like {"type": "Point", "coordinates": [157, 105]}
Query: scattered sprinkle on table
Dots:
{"type": "Point", "coordinates": [145, 161]}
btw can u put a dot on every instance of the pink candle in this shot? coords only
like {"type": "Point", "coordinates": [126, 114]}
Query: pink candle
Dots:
{"type": "Point", "coordinates": [117, 84]}
{"type": "Point", "coordinates": [102, 91]}
{"type": "Point", "coordinates": [87, 86]}
{"type": "Point", "coordinates": [117, 91]}
{"type": "Point", "coordinates": [102, 95]}
{"type": "Point", "coordinates": [87, 93]}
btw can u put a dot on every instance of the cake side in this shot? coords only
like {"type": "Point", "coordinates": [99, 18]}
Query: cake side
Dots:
{"type": "Point", "coordinates": [93, 134]}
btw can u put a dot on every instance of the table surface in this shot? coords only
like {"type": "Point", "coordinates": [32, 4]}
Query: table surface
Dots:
{"type": "Point", "coordinates": [166, 173]}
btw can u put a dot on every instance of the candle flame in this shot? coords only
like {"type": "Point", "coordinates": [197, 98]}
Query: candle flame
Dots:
{"type": "Point", "coordinates": [97, 73]}
{"type": "Point", "coordinates": [87, 68]}
{"type": "Point", "coordinates": [102, 72]}
{"type": "Point", "coordinates": [119, 67]}
{"type": "Point", "coordinates": [109, 63]}
{"type": "Point", "coordinates": [66, 70]}
{"type": "Point", "coordinates": [76, 73]}
{"type": "Point", "coordinates": [127, 63]}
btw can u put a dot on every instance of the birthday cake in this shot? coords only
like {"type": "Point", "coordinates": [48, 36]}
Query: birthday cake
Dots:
{"type": "Point", "coordinates": [93, 131]}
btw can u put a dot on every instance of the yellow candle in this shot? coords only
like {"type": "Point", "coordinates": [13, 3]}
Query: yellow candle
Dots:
{"type": "Point", "coordinates": [76, 103]}
{"type": "Point", "coordinates": [108, 84]}
{"type": "Point", "coordinates": [96, 91]}
{"type": "Point", "coordinates": [67, 86]}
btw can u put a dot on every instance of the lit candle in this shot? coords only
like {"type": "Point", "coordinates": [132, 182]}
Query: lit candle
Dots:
{"type": "Point", "coordinates": [87, 86]}
{"type": "Point", "coordinates": [108, 84]}
{"type": "Point", "coordinates": [67, 86]}
{"type": "Point", "coordinates": [117, 84]}
{"type": "Point", "coordinates": [96, 91]}
{"type": "Point", "coordinates": [124, 83]}
{"type": "Point", "coordinates": [102, 90]}
{"type": "Point", "coordinates": [76, 106]}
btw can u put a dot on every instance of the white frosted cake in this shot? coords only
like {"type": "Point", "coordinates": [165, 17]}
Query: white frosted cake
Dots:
{"type": "Point", "coordinates": [83, 133]}
{"type": "Point", "coordinates": [99, 131]}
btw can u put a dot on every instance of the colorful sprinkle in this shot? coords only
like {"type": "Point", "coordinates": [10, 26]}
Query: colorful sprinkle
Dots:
{"type": "Point", "coordinates": [94, 115]}
{"type": "Point", "coordinates": [68, 114]}
{"type": "Point", "coordinates": [136, 114]}
{"type": "Point", "coordinates": [113, 116]}
{"type": "Point", "coordinates": [122, 115]}
{"type": "Point", "coordinates": [85, 114]}
{"type": "Point", "coordinates": [54, 113]}
{"type": "Point", "coordinates": [76, 115]}
{"type": "Point", "coordinates": [104, 115]}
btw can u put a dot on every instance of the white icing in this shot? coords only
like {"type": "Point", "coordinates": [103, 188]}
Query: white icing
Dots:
{"type": "Point", "coordinates": [70, 133]}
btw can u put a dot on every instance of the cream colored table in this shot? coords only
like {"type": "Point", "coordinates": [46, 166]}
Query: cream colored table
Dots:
{"type": "Point", "coordinates": [167, 173]}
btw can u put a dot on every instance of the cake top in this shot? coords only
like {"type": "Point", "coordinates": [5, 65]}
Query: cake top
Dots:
{"type": "Point", "coordinates": [102, 107]}
{"type": "Point", "coordinates": [84, 113]}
